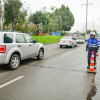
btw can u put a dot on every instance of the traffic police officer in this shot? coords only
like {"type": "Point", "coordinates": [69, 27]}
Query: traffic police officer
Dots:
{"type": "Point", "coordinates": [92, 45]}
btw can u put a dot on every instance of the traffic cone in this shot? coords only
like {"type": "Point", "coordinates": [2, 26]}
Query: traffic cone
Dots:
{"type": "Point", "coordinates": [91, 69]}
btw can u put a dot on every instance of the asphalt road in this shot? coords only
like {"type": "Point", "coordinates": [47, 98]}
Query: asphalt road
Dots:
{"type": "Point", "coordinates": [62, 75]}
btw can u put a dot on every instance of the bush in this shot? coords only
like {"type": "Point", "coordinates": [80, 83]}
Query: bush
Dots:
{"type": "Point", "coordinates": [63, 33]}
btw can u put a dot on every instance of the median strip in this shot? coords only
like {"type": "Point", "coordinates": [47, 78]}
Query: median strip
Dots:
{"type": "Point", "coordinates": [12, 81]}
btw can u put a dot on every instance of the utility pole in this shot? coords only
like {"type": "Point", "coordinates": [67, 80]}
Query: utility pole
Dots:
{"type": "Point", "coordinates": [86, 16]}
{"type": "Point", "coordinates": [87, 4]}
{"type": "Point", "coordinates": [93, 24]}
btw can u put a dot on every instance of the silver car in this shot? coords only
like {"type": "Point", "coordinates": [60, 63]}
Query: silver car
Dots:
{"type": "Point", "coordinates": [15, 47]}
{"type": "Point", "coordinates": [68, 41]}
{"type": "Point", "coordinates": [80, 40]}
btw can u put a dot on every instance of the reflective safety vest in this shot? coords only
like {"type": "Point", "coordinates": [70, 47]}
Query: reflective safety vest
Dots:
{"type": "Point", "coordinates": [92, 44]}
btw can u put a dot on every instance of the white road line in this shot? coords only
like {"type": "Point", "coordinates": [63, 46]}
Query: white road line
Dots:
{"type": "Point", "coordinates": [65, 54]}
{"type": "Point", "coordinates": [12, 81]}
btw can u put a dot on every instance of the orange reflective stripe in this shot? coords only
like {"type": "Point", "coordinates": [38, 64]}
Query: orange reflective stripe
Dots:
{"type": "Point", "coordinates": [91, 69]}
{"type": "Point", "coordinates": [92, 58]}
{"type": "Point", "coordinates": [92, 64]}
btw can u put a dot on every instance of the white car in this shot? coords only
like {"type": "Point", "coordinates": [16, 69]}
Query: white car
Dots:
{"type": "Point", "coordinates": [68, 41]}
{"type": "Point", "coordinates": [15, 47]}
{"type": "Point", "coordinates": [80, 40]}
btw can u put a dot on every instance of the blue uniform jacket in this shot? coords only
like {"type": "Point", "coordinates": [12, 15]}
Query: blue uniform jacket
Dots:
{"type": "Point", "coordinates": [92, 44]}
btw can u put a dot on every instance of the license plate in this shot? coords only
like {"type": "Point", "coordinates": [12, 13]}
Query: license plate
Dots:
{"type": "Point", "coordinates": [64, 41]}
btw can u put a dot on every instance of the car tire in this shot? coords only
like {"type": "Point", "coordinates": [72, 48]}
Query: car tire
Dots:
{"type": "Point", "coordinates": [76, 45]}
{"type": "Point", "coordinates": [72, 46]}
{"type": "Point", "coordinates": [40, 54]}
{"type": "Point", "coordinates": [14, 62]}
{"type": "Point", "coordinates": [60, 46]}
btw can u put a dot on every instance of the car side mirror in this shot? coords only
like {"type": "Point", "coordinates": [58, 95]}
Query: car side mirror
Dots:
{"type": "Point", "coordinates": [34, 41]}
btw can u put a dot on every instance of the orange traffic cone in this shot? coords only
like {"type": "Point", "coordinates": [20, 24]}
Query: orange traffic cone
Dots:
{"type": "Point", "coordinates": [91, 69]}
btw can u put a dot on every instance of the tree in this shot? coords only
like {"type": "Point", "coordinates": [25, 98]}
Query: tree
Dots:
{"type": "Point", "coordinates": [95, 31]}
{"type": "Point", "coordinates": [52, 8]}
{"type": "Point", "coordinates": [89, 31]}
{"type": "Point", "coordinates": [21, 22]}
{"type": "Point", "coordinates": [12, 11]}
{"type": "Point", "coordinates": [60, 20]}
{"type": "Point", "coordinates": [39, 18]}
{"type": "Point", "coordinates": [65, 18]}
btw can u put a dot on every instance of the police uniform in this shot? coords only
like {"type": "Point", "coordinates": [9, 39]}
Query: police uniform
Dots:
{"type": "Point", "coordinates": [92, 45]}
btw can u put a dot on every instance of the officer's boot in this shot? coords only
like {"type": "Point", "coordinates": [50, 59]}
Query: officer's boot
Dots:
{"type": "Point", "coordinates": [88, 63]}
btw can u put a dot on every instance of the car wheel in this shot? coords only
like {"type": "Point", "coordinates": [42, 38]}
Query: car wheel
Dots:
{"type": "Point", "coordinates": [72, 46]}
{"type": "Point", "coordinates": [60, 46]}
{"type": "Point", "coordinates": [14, 62]}
{"type": "Point", "coordinates": [40, 54]}
{"type": "Point", "coordinates": [76, 45]}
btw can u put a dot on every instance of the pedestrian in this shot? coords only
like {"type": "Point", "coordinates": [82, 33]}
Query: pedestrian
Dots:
{"type": "Point", "coordinates": [92, 45]}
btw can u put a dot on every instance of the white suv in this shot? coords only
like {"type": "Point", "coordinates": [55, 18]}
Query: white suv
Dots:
{"type": "Point", "coordinates": [15, 47]}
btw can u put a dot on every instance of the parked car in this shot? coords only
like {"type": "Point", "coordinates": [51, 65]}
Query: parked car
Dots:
{"type": "Point", "coordinates": [98, 36]}
{"type": "Point", "coordinates": [87, 37]}
{"type": "Point", "coordinates": [80, 40]}
{"type": "Point", "coordinates": [68, 41]}
{"type": "Point", "coordinates": [15, 47]}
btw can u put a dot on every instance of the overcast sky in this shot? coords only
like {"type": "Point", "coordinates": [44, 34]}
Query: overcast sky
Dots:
{"type": "Point", "coordinates": [78, 11]}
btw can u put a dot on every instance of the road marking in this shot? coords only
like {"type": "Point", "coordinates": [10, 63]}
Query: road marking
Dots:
{"type": "Point", "coordinates": [65, 54]}
{"type": "Point", "coordinates": [12, 81]}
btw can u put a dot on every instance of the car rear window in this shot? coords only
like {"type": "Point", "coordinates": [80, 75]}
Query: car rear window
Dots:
{"type": "Point", "coordinates": [97, 34]}
{"type": "Point", "coordinates": [8, 38]}
{"type": "Point", "coordinates": [66, 37]}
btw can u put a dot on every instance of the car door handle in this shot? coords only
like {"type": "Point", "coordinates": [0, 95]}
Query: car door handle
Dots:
{"type": "Point", "coordinates": [19, 46]}
{"type": "Point", "coordinates": [30, 45]}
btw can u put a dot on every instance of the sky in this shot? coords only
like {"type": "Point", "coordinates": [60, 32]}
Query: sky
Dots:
{"type": "Point", "coordinates": [76, 7]}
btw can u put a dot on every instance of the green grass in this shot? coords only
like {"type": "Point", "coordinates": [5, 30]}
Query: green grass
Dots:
{"type": "Point", "coordinates": [84, 37]}
{"type": "Point", "coordinates": [47, 39]}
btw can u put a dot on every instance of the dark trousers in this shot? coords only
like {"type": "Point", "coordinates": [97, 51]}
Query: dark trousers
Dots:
{"type": "Point", "coordinates": [89, 57]}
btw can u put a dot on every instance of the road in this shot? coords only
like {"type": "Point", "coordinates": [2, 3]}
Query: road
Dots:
{"type": "Point", "coordinates": [61, 75]}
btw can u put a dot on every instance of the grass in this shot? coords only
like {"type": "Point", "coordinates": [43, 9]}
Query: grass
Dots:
{"type": "Point", "coordinates": [47, 39]}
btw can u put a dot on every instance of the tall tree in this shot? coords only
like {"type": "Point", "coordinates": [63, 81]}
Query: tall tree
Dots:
{"type": "Point", "coordinates": [39, 18]}
{"type": "Point", "coordinates": [65, 18]}
{"type": "Point", "coordinates": [12, 11]}
{"type": "Point", "coordinates": [21, 22]}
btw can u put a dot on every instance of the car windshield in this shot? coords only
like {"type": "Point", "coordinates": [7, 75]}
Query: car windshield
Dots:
{"type": "Point", "coordinates": [79, 38]}
{"type": "Point", "coordinates": [97, 34]}
{"type": "Point", "coordinates": [67, 38]}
